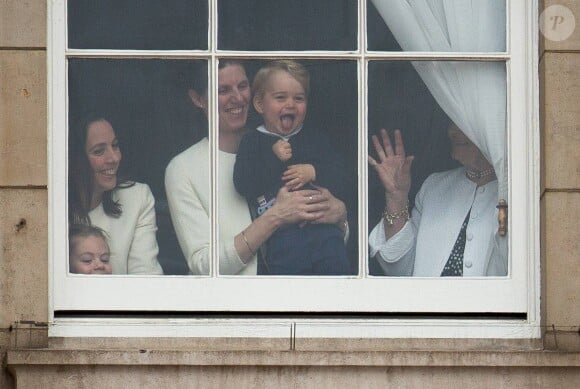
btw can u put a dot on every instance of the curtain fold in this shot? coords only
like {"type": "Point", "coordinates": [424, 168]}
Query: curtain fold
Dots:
{"type": "Point", "coordinates": [472, 94]}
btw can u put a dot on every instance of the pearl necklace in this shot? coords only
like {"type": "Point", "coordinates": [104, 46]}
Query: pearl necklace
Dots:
{"type": "Point", "coordinates": [478, 175]}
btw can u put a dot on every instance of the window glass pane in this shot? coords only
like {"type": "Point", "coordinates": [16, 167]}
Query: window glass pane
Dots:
{"type": "Point", "coordinates": [145, 106]}
{"type": "Point", "coordinates": [157, 112]}
{"type": "Point", "coordinates": [294, 25]}
{"type": "Point", "coordinates": [138, 24]}
{"type": "Point", "coordinates": [318, 137]}
{"type": "Point", "coordinates": [458, 26]}
{"type": "Point", "coordinates": [455, 178]}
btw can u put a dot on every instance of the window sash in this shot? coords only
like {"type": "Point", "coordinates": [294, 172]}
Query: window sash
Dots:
{"type": "Point", "coordinates": [325, 294]}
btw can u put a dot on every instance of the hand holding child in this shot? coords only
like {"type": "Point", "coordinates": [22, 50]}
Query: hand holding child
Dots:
{"type": "Point", "coordinates": [282, 149]}
{"type": "Point", "coordinates": [296, 176]}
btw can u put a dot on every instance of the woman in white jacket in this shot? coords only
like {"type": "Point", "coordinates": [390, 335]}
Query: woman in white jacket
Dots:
{"type": "Point", "coordinates": [97, 196]}
{"type": "Point", "coordinates": [452, 230]}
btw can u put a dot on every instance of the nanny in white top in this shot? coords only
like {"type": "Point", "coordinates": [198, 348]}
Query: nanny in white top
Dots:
{"type": "Point", "coordinates": [123, 209]}
{"type": "Point", "coordinates": [453, 227]}
{"type": "Point", "coordinates": [188, 194]}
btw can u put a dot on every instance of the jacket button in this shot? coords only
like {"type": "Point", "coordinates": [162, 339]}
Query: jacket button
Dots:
{"type": "Point", "coordinates": [468, 264]}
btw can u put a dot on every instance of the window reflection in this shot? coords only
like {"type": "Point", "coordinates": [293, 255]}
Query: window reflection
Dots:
{"type": "Point", "coordinates": [281, 25]}
{"type": "Point", "coordinates": [138, 24]}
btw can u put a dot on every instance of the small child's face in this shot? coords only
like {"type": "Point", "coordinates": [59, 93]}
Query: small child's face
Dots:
{"type": "Point", "coordinates": [90, 255]}
{"type": "Point", "coordinates": [283, 104]}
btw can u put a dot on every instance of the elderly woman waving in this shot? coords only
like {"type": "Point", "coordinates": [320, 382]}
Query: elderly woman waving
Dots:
{"type": "Point", "coordinates": [451, 231]}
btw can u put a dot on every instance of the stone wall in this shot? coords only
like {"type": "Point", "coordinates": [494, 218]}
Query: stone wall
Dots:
{"type": "Point", "coordinates": [23, 172]}
{"type": "Point", "coordinates": [560, 192]}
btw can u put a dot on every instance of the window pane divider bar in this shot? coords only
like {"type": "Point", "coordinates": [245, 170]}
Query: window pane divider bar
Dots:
{"type": "Point", "coordinates": [213, 120]}
{"type": "Point", "coordinates": [203, 54]}
{"type": "Point", "coordinates": [371, 55]}
{"type": "Point", "coordinates": [104, 53]}
{"type": "Point", "coordinates": [363, 252]}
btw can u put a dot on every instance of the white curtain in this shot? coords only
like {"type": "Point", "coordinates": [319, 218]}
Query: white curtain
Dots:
{"type": "Point", "coordinates": [473, 94]}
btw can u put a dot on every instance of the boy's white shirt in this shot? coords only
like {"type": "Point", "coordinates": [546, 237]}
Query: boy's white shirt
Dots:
{"type": "Point", "coordinates": [264, 130]}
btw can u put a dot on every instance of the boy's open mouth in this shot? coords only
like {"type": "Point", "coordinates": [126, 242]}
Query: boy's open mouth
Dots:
{"type": "Point", "coordinates": [287, 120]}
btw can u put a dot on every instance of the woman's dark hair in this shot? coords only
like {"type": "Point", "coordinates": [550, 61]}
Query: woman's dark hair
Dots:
{"type": "Point", "coordinates": [81, 181]}
{"type": "Point", "coordinates": [196, 76]}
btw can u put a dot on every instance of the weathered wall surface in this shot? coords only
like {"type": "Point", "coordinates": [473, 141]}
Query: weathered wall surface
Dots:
{"type": "Point", "coordinates": [263, 369]}
{"type": "Point", "coordinates": [560, 199]}
{"type": "Point", "coordinates": [24, 240]}
{"type": "Point", "coordinates": [113, 377]}
{"type": "Point", "coordinates": [23, 176]}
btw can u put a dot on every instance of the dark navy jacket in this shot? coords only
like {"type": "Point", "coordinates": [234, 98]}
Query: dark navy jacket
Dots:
{"type": "Point", "coordinates": [258, 171]}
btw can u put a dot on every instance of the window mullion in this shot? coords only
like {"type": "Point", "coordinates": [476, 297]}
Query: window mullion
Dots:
{"type": "Point", "coordinates": [213, 138]}
{"type": "Point", "coordinates": [134, 54]}
{"type": "Point", "coordinates": [362, 143]}
{"type": "Point", "coordinates": [436, 56]}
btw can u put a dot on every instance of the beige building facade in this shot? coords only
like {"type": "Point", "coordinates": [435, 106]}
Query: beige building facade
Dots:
{"type": "Point", "coordinates": [31, 359]}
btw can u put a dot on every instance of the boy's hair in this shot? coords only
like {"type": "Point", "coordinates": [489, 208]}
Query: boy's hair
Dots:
{"type": "Point", "coordinates": [295, 69]}
{"type": "Point", "coordinates": [84, 231]}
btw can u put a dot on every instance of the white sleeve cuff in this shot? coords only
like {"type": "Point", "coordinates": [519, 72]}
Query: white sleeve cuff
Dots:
{"type": "Point", "coordinates": [393, 249]}
{"type": "Point", "coordinates": [230, 262]}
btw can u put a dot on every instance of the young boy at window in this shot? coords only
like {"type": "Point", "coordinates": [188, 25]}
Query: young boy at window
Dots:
{"type": "Point", "coordinates": [282, 152]}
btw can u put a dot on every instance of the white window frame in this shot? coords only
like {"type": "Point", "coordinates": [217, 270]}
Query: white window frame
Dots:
{"type": "Point", "coordinates": [174, 293]}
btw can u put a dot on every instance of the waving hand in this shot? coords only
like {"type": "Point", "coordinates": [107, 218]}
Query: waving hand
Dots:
{"type": "Point", "coordinates": [393, 168]}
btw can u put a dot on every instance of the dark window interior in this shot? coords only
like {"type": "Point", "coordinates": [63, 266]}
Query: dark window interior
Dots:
{"type": "Point", "coordinates": [138, 24]}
